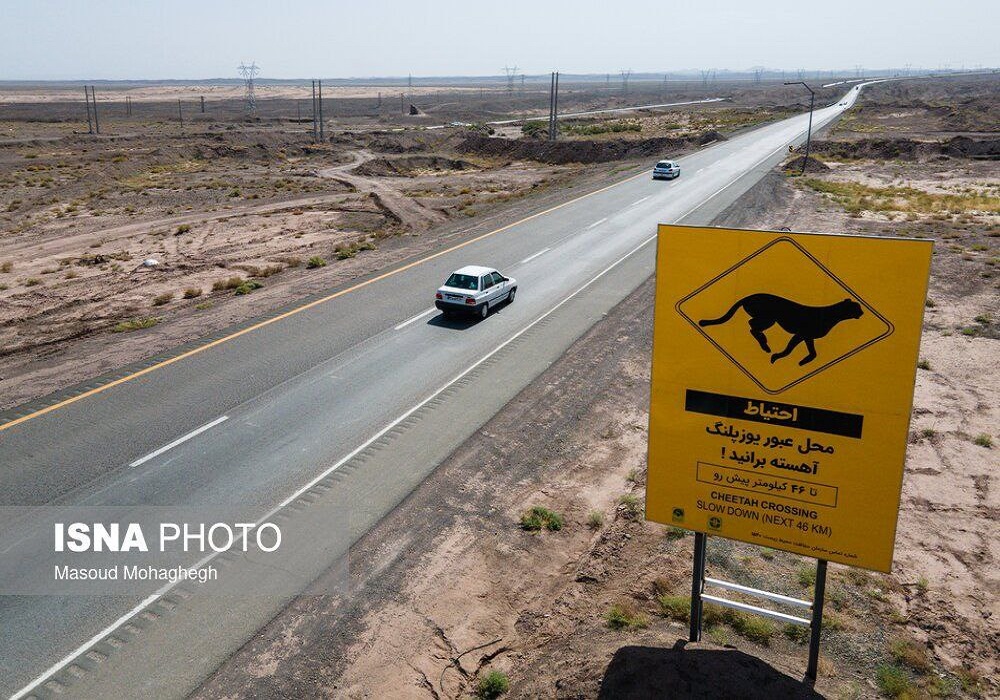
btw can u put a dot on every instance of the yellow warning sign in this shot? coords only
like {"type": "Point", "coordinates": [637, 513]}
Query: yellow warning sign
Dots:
{"type": "Point", "coordinates": [782, 384]}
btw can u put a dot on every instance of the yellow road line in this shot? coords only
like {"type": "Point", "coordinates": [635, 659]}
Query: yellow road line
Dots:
{"type": "Point", "coordinates": [292, 312]}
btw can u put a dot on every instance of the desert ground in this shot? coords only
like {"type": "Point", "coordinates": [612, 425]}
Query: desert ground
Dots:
{"type": "Point", "coordinates": [243, 216]}
{"type": "Point", "coordinates": [118, 246]}
{"type": "Point", "coordinates": [453, 594]}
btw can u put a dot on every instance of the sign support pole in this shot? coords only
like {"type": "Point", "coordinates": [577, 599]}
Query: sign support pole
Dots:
{"type": "Point", "coordinates": [817, 620]}
{"type": "Point", "coordinates": [697, 585]}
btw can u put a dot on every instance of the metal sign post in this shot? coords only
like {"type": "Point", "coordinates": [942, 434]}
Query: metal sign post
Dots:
{"type": "Point", "coordinates": [817, 619]}
{"type": "Point", "coordinates": [698, 597]}
{"type": "Point", "coordinates": [698, 584]}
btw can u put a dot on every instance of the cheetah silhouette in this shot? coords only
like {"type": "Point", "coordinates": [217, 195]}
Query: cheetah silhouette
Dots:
{"type": "Point", "coordinates": [806, 324]}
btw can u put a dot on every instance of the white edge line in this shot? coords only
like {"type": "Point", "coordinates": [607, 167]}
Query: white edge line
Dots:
{"type": "Point", "coordinates": [414, 319]}
{"type": "Point", "coordinates": [52, 670]}
{"type": "Point", "coordinates": [84, 647]}
{"type": "Point", "coordinates": [532, 257]}
{"type": "Point", "coordinates": [163, 590]}
{"type": "Point", "coordinates": [178, 441]}
{"type": "Point", "coordinates": [598, 222]}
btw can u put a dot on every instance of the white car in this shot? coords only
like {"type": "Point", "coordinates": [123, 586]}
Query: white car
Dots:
{"type": "Point", "coordinates": [667, 170]}
{"type": "Point", "coordinates": [475, 289]}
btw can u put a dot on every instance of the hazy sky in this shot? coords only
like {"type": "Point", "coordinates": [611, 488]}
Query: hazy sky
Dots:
{"type": "Point", "coordinates": [156, 39]}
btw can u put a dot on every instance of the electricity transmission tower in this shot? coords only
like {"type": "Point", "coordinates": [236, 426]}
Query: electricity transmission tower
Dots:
{"type": "Point", "coordinates": [249, 73]}
{"type": "Point", "coordinates": [511, 74]}
{"type": "Point", "coordinates": [626, 74]}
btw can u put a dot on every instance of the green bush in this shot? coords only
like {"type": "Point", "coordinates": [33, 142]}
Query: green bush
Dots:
{"type": "Point", "coordinates": [797, 633]}
{"type": "Point", "coordinates": [631, 506]}
{"type": "Point", "coordinates": [539, 517]}
{"type": "Point", "coordinates": [676, 607]}
{"type": "Point", "coordinates": [492, 685]}
{"type": "Point", "coordinates": [135, 324]}
{"type": "Point", "coordinates": [807, 576]}
{"type": "Point", "coordinates": [676, 533]}
{"type": "Point", "coordinates": [535, 129]}
{"type": "Point", "coordinates": [752, 627]}
{"type": "Point", "coordinates": [624, 616]}
{"type": "Point", "coordinates": [909, 653]}
{"type": "Point", "coordinates": [615, 126]}
{"type": "Point", "coordinates": [192, 292]}
{"type": "Point", "coordinates": [249, 286]}
{"type": "Point", "coordinates": [595, 520]}
{"type": "Point", "coordinates": [161, 299]}
{"type": "Point", "coordinates": [893, 681]}
{"type": "Point", "coordinates": [315, 261]}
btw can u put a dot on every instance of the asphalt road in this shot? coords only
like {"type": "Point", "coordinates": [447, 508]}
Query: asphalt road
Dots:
{"type": "Point", "coordinates": [324, 419]}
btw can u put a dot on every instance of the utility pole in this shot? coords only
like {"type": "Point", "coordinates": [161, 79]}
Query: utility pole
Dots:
{"type": "Point", "coordinates": [86, 97]}
{"type": "Point", "coordinates": [93, 98]}
{"type": "Point", "coordinates": [812, 102]}
{"type": "Point", "coordinates": [321, 135]}
{"type": "Point", "coordinates": [315, 125]}
{"type": "Point", "coordinates": [180, 114]}
{"type": "Point", "coordinates": [202, 104]}
{"type": "Point", "coordinates": [402, 106]}
{"type": "Point", "coordinates": [553, 106]}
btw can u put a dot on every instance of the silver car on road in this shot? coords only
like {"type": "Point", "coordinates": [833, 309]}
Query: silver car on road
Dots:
{"type": "Point", "coordinates": [475, 290]}
{"type": "Point", "coordinates": [666, 170]}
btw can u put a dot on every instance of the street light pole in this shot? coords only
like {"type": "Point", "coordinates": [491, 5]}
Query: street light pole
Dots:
{"type": "Point", "coordinates": [812, 103]}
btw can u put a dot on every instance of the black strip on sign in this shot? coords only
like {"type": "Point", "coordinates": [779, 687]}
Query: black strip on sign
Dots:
{"type": "Point", "coordinates": [805, 417]}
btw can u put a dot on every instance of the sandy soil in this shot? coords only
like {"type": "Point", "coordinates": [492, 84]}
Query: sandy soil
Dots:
{"type": "Point", "coordinates": [252, 203]}
{"type": "Point", "coordinates": [79, 220]}
{"type": "Point", "coordinates": [158, 93]}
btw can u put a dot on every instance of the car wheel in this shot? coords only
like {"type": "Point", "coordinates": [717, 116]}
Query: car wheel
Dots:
{"type": "Point", "coordinates": [510, 295]}
{"type": "Point", "coordinates": [484, 310]}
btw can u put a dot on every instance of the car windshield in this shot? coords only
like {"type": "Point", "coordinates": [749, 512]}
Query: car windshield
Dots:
{"type": "Point", "coordinates": [663, 164]}
{"type": "Point", "coordinates": [462, 281]}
